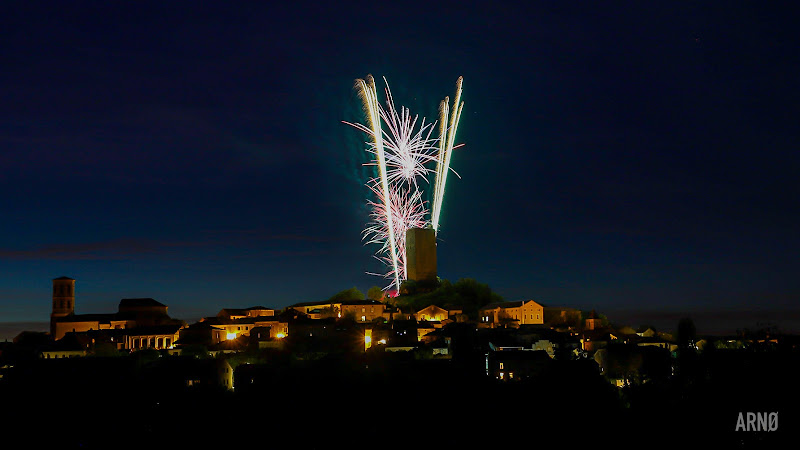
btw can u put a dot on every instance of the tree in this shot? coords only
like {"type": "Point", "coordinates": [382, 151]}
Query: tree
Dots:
{"type": "Point", "coordinates": [504, 319]}
{"type": "Point", "coordinates": [624, 362]}
{"type": "Point", "coordinates": [375, 293]}
{"type": "Point", "coordinates": [466, 293]}
{"type": "Point", "coordinates": [348, 294]}
{"type": "Point", "coordinates": [408, 287]}
{"type": "Point", "coordinates": [106, 349]}
{"type": "Point", "coordinates": [328, 312]}
{"type": "Point", "coordinates": [687, 333]}
{"type": "Point", "coordinates": [195, 351]}
{"type": "Point", "coordinates": [688, 367]}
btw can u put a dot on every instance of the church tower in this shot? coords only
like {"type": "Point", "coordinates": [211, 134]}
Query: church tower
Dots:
{"type": "Point", "coordinates": [63, 300]}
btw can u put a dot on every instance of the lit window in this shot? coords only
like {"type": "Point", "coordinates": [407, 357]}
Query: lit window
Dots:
{"type": "Point", "coordinates": [501, 365]}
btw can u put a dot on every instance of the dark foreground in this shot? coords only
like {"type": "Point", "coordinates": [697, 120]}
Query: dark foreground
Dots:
{"type": "Point", "coordinates": [394, 401]}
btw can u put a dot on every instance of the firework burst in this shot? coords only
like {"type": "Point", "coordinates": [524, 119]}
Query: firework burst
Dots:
{"type": "Point", "coordinates": [407, 149]}
{"type": "Point", "coordinates": [402, 152]}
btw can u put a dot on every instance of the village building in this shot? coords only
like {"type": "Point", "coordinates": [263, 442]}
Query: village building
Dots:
{"type": "Point", "coordinates": [511, 314]}
{"type": "Point", "coordinates": [253, 311]}
{"type": "Point", "coordinates": [515, 365]}
{"type": "Point", "coordinates": [360, 310]}
{"type": "Point", "coordinates": [138, 323]}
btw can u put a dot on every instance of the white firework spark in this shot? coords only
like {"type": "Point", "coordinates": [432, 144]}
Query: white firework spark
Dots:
{"type": "Point", "coordinates": [407, 149]}
{"type": "Point", "coordinates": [448, 134]}
{"type": "Point", "coordinates": [372, 108]}
{"type": "Point", "coordinates": [407, 211]}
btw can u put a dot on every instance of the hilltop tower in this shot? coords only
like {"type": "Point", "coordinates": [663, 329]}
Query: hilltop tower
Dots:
{"type": "Point", "coordinates": [63, 300]}
{"type": "Point", "coordinates": [421, 254]}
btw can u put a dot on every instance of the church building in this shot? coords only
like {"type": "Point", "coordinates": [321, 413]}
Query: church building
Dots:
{"type": "Point", "coordinates": [134, 314]}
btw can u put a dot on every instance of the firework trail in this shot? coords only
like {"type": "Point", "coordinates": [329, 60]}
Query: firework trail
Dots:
{"type": "Point", "coordinates": [370, 97]}
{"type": "Point", "coordinates": [446, 140]}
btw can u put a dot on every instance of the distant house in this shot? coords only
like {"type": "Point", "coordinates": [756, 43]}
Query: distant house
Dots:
{"type": "Point", "coordinates": [513, 365]}
{"type": "Point", "coordinates": [511, 314]}
{"type": "Point", "coordinates": [56, 354]}
{"type": "Point", "coordinates": [393, 313]}
{"type": "Point", "coordinates": [406, 333]}
{"type": "Point", "coordinates": [425, 327]}
{"type": "Point", "coordinates": [432, 313]}
{"type": "Point", "coordinates": [593, 322]}
{"type": "Point", "coordinates": [200, 334]}
{"type": "Point", "coordinates": [253, 311]}
{"type": "Point", "coordinates": [243, 326]}
{"type": "Point", "coordinates": [263, 337]}
{"type": "Point", "coordinates": [232, 314]}
{"type": "Point", "coordinates": [70, 347]}
{"type": "Point", "coordinates": [645, 332]}
{"type": "Point", "coordinates": [437, 314]}
{"type": "Point", "coordinates": [278, 326]}
{"type": "Point", "coordinates": [440, 347]}
{"type": "Point", "coordinates": [593, 340]}
{"type": "Point", "coordinates": [438, 343]}
{"type": "Point", "coordinates": [651, 341]}
{"type": "Point", "coordinates": [361, 310]}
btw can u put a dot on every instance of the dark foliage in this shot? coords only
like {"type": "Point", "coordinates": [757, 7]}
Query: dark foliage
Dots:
{"type": "Point", "coordinates": [348, 294]}
{"type": "Point", "coordinates": [465, 293]}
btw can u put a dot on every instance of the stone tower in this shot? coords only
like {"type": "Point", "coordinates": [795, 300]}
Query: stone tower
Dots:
{"type": "Point", "coordinates": [63, 300]}
{"type": "Point", "coordinates": [421, 254]}
{"type": "Point", "coordinates": [593, 322]}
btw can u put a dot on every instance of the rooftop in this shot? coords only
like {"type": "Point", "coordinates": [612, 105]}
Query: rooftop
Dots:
{"type": "Point", "coordinates": [105, 318]}
{"type": "Point", "coordinates": [139, 302]}
{"type": "Point", "coordinates": [503, 305]}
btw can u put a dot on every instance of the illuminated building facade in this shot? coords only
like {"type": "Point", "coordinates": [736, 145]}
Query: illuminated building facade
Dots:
{"type": "Point", "coordinates": [132, 313]}
{"type": "Point", "coordinates": [233, 328]}
{"type": "Point", "coordinates": [525, 312]}
{"type": "Point", "coordinates": [515, 365]}
{"type": "Point", "coordinates": [253, 311]}
{"type": "Point", "coordinates": [360, 310]}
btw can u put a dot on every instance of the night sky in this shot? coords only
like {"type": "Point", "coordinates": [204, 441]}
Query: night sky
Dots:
{"type": "Point", "coordinates": [635, 160]}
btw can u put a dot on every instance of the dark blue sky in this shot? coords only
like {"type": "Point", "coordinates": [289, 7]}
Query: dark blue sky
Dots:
{"type": "Point", "coordinates": [640, 158]}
